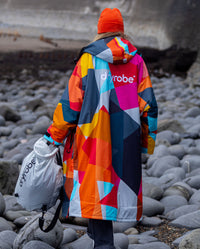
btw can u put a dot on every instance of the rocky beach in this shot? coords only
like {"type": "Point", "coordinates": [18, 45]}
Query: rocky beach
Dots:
{"type": "Point", "coordinates": [29, 94]}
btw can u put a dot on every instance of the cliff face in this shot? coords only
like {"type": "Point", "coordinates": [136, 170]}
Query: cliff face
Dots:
{"type": "Point", "coordinates": [150, 23]}
{"type": "Point", "coordinates": [154, 23]}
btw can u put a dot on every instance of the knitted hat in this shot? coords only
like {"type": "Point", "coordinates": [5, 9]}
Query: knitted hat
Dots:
{"type": "Point", "coordinates": [110, 20]}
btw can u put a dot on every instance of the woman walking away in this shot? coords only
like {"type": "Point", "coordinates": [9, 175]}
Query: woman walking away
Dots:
{"type": "Point", "coordinates": [108, 113]}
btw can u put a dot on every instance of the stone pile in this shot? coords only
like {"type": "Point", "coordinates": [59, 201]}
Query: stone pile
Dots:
{"type": "Point", "coordinates": [171, 176]}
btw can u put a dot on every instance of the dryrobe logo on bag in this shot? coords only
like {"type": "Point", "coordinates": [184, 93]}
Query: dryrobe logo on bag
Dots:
{"type": "Point", "coordinates": [26, 171]}
{"type": "Point", "coordinates": [118, 78]}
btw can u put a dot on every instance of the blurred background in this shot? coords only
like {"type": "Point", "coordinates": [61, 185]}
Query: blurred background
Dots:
{"type": "Point", "coordinates": [167, 33]}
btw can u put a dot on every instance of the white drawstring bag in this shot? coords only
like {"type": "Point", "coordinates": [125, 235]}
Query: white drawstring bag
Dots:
{"type": "Point", "coordinates": [40, 179]}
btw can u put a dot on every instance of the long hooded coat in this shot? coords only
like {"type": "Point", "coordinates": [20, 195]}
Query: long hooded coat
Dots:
{"type": "Point", "coordinates": [108, 112]}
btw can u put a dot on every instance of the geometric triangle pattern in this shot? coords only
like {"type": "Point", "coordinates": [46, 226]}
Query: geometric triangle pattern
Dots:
{"type": "Point", "coordinates": [107, 116]}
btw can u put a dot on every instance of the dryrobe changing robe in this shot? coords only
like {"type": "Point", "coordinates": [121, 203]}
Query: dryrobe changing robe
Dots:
{"type": "Point", "coordinates": [109, 113]}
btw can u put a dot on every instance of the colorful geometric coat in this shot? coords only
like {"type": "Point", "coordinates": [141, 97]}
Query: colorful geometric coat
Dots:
{"type": "Point", "coordinates": [108, 112]}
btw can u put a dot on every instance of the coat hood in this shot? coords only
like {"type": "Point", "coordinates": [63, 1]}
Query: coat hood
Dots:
{"type": "Point", "coordinates": [115, 50]}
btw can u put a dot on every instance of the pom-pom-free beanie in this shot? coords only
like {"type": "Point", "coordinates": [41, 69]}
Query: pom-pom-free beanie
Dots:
{"type": "Point", "coordinates": [110, 20]}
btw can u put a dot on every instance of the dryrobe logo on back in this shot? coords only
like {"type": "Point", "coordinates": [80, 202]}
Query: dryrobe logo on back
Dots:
{"type": "Point", "coordinates": [118, 78]}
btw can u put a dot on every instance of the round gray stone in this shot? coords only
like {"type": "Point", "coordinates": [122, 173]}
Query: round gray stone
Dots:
{"type": "Point", "coordinates": [169, 137]}
{"type": "Point", "coordinates": [34, 244]}
{"type": "Point", "coordinates": [69, 235]}
{"type": "Point", "coordinates": [41, 125]}
{"type": "Point", "coordinates": [152, 245]}
{"type": "Point", "coordinates": [191, 240]}
{"type": "Point", "coordinates": [185, 188]}
{"type": "Point", "coordinates": [5, 225]}
{"type": "Point", "coordinates": [179, 172]}
{"type": "Point", "coordinates": [161, 150]}
{"type": "Point", "coordinates": [21, 221]}
{"type": "Point", "coordinates": [11, 203]}
{"type": "Point", "coordinates": [8, 237]}
{"type": "Point", "coordinates": [191, 220]}
{"type": "Point", "coordinates": [121, 240]}
{"type": "Point", "coordinates": [5, 131]}
{"type": "Point", "coordinates": [151, 221]}
{"type": "Point", "coordinates": [177, 150]}
{"type": "Point", "coordinates": [190, 163]}
{"type": "Point", "coordinates": [120, 227]}
{"type": "Point", "coordinates": [172, 202]}
{"type": "Point", "coordinates": [18, 132]}
{"type": "Point", "coordinates": [177, 190]}
{"type": "Point", "coordinates": [195, 198]}
{"type": "Point", "coordinates": [152, 191]}
{"type": "Point", "coordinates": [193, 181]}
{"type": "Point", "coordinates": [152, 207]}
{"type": "Point", "coordinates": [162, 164]}
{"type": "Point", "coordinates": [13, 215]}
{"type": "Point", "coordinates": [84, 242]}
{"type": "Point", "coordinates": [10, 144]}
{"type": "Point", "coordinates": [142, 238]}
{"type": "Point", "coordinates": [168, 180]}
{"type": "Point", "coordinates": [170, 124]}
{"type": "Point", "coordinates": [183, 210]}
{"type": "Point", "coordinates": [192, 112]}
{"type": "Point", "coordinates": [4, 245]}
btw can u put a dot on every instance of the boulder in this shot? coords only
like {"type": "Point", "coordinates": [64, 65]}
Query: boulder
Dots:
{"type": "Point", "coordinates": [191, 240]}
{"type": "Point", "coordinates": [152, 207]}
{"type": "Point", "coordinates": [172, 202]}
{"type": "Point", "coordinates": [8, 176]}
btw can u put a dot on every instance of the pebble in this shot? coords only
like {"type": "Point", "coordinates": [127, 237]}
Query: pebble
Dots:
{"type": "Point", "coordinates": [151, 221]}
{"type": "Point", "coordinates": [171, 176]}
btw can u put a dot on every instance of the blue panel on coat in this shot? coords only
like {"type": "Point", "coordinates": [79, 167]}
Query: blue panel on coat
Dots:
{"type": "Point", "coordinates": [114, 103]}
{"type": "Point", "coordinates": [65, 205]}
{"type": "Point", "coordinates": [91, 98]}
{"type": "Point", "coordinates": [132, 161]}
{"type": "Point", "coordinates": [65, 96]}
{"type": "Point", "coordinates": [69, 115]}
{"type": "Point", "coordinates": [130, 125]}
{"type": "Point", "coordinates": [116, 122]}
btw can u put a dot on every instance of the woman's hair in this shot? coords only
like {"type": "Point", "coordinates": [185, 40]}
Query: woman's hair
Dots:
{"type": "Point", "coordinates": [109, 34]}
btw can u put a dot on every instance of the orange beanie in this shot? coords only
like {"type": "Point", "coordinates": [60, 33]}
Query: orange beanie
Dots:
{"type": "Point", "coordinates": [110, 20]}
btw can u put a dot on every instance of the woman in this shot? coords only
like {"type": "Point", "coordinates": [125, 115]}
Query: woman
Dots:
{"type": "Point", "coordinates": [108, 113]}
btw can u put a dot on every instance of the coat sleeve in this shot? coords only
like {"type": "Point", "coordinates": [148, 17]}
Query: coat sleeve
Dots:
{"type": "Point", "coordinates": [67, 112]}
{"type": "Point", "coordinates": [148, 109]}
